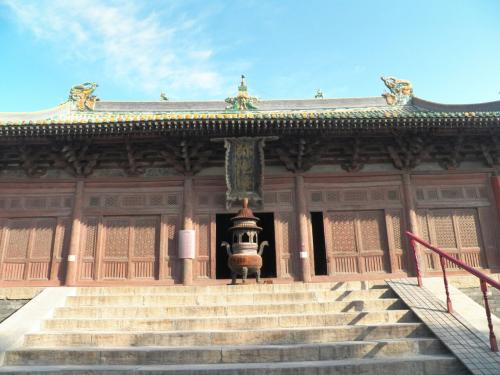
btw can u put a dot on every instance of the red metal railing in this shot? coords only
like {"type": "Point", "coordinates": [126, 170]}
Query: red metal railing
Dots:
{"type": "Point", "coordinates": [483, 279]}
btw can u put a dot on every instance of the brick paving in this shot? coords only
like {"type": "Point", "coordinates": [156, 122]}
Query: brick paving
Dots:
{"type": "Point", "coordinates": [464, 342]}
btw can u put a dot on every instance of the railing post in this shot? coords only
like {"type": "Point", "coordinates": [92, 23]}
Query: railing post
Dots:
{"type": "Point", "coordinates": [448, 299]}
{"type": "Point", "coordinates": [493, 339]}
{"type": "Point", "coordinates": [417, 265]}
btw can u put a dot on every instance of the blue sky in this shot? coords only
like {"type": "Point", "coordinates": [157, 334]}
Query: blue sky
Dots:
{"type": "Point", "coordinates": [196, 49]}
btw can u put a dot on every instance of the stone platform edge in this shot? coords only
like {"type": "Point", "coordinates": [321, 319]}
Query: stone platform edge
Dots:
{"type": "Point", "coordinates": [457, 334]}
{"type": "Point", "coordinates": [30, 317]}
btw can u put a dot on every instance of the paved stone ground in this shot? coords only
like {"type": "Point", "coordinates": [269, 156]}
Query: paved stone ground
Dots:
{"type": "Point", "coordinates": [463, 341]}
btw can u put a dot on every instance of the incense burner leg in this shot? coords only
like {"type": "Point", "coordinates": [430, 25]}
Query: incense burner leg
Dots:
{"type": "Point", "coordinates": [257, 272]}
{"type": "Point", "coordinates": [244, 273]}
{"type": "Point", "coordinates": [233, 276]}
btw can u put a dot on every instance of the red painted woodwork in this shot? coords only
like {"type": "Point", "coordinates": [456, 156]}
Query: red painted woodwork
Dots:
{"type": "Point", "coordinates": [448, 259]}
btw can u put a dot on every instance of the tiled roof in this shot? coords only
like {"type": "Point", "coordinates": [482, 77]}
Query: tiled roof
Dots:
{"type": "Point", "coordinates": [358, 108]}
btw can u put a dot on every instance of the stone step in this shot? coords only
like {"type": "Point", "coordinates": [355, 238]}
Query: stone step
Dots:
{"type": "Point", "coordinates": [214, 299]}
{"type": "Point", "coordinates": [97, 312]}
{"type": "Point", "coordinates": [415, 365]}
{"type": "Point", "coordinates": [231, 323]}
{"type": "Point", "coordinates": [224, 354]}
{"type": "Point", "coordinates": [231, 289]}
{"type": "Point", "coordinates": [227, 337]}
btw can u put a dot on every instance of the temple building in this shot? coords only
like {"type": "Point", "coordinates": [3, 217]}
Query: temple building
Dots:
{"type": "Point", "coordinates": [96, 192]}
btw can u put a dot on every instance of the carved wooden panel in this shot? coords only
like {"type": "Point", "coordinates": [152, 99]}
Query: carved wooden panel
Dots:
{"type": "Point", "coordinates": [203, 224]}
{"type": "Point", "coordinates": [399, 256]}
{"type": "Point", "coordinates": [357, 242]}
{"type": "Point", "coordinates": [27, 248]}
{"type": "Point", "coordinates": [173, 264]}
{"type": "Point", "coordinates": [132, 201]}
{"type": "Point", "coordinates": [286, 242]}
{"type": "Point", "coordinates": [120, 247]}
{"type": "Point", "coordinates": [456, 231]}
{"type": "Point", "coordinates": [38, 202]}
{"type": "Point", "coordinates": [347, 197]}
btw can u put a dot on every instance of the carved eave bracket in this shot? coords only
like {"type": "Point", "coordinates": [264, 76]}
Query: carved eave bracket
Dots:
{"type": "Point", "coordinates": [401, 91]}
{"type": "Point", "coordinates": [134, 166]}
{"type": "Point", "coordinates": [300, 156]}
{"type": "Point", "coordinates": [454, 154]}
{"type": "Point", "coordinates": [355, 160]}
{"type": "Point", "coordinates": [187, 158]}
{"type": "Point", "coordinates": [242, 101]}
{"type": "Point", "coordinates": [82, 98]}
{"type": "Point", "coordinates": [30, 160]}
{"type": "Point", "coordinates": [408, 151]}
{"type": "Point", "coordinates": [76, 158]}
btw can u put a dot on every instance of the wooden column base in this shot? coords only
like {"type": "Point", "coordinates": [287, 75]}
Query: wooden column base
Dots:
{"type": "Point", "coordinates": [187, 271]}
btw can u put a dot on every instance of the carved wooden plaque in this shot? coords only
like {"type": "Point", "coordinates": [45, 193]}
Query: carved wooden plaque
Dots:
{"type": "Point", "coordinates": [244, 169]}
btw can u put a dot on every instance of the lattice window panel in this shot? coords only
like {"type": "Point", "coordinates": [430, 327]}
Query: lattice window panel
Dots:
{"type": "Point", "coordinates": [110, 201]}
{"type": "Point", "coordinates": [377, 195]}
{"type": "Point", "coordinates": [285, 197]}
{"type": "Point", "coordinates": [90, 237]}
{"type": "Point", "coordinates": [393, 195]}
{"type": "Point", "coordinates": [43, 238]}
{"type": "Point", "coordinates": [18, 238]}
{"type": "Point", "coordinates": [420, 195]}
{"type": "Point", "coordinates": [133, 201]}
{"type": "Point", "coordinates": [316, 196]}
{"type": "Point", "coordinates": [94, 201]}
{"type": "Point", "coordinates": [332, 196]}
{"type": "Point", "coordinates": [203, 235]}
{"type": "Point", "coordinates": [443, 227]}
{"type": "Point", "coordinates": [468, 228]}
{"type": "Point", "coordinates": [356, 195]}
{"type": "Point", "coordinates": [35, 203]}
{"type": "Point", "coordinates": [343, 232]}
{"type": "Point", "coordinates": [117, 238]}
{"type": "Point", "coordinates": [371, 226]}
{"type": "Point", "coordinates": [172, 200]}
{"type": "Point", "coordinates": [145, 230]}
{"type": "Point", "coordinates": [358, 241]}
{"type": "Point", "coordinates": [432, 195]}
{"type": "Point", "coordinates": [451, 193]}
{"type": "Point", "coordinates": [155, 200]}
{"type": "Point", "coordinates": [172, 223]}
{"type": "Point", "coordinates": [458, 232]}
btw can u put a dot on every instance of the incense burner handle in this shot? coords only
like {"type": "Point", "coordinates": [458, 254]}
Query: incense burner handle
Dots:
{"type": "Point", "coordinates": [261, 247]}
{"type": "Point", "coordinates": [228, 248]}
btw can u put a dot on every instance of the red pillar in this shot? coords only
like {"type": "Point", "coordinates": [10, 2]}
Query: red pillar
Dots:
{"type": "Point", "coordinates": [74, 247]}
{"type": "Point", "coordinates": [495, 184]}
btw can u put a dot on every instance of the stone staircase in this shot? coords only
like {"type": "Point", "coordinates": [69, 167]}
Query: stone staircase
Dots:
{"type": "Point", "coordinates": [10, 306]}
{"type": "Point", "coordinates": [322, 328]}
{"type": "Point", "coordinates": [493, 298]}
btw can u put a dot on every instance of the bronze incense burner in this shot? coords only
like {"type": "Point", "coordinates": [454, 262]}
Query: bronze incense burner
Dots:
{"type": "Point", "coordinates": [245, 253]}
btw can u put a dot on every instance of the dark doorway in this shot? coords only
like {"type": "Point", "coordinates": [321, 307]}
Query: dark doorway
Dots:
{"type": "Point", "coordinates": [266, 222]}
{"type": "Point", "coordinates": [318, 232]}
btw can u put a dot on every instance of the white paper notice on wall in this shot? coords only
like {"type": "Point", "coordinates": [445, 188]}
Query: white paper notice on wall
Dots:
{"type": "Point", "coordinates": [186, 243]}
{"type": "Point", "coordinates": [71, 258]}
{"type": "Point", "coordinates": [303, 254]}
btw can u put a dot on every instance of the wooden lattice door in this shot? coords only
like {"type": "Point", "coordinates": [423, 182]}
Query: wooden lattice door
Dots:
{"type": "Point", "coordinates": [356, 242]}
{"type": "Point", "coordinates": [456, 231]}
{"type": "Point", "coordinates": [27, 248]}
{"type": "Point", "coordinates": [129, 247]}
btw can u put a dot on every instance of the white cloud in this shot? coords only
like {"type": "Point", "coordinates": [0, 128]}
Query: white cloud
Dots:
{"type": "Point", "coordinates": [150, 50]}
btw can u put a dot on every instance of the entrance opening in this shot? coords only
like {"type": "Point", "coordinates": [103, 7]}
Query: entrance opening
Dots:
{"type": "Point", "coordinates": [266, 222]}
{"type": "Point", "coordinates": [318, 232]}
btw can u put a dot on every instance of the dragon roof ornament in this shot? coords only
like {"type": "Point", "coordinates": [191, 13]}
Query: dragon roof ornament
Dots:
{"type": "Point", "coordinates": [401, 90]}
{"type": "Point", "coordinates": [242, 101]}
{"type": "Point", "coordinates": [81, 96]}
